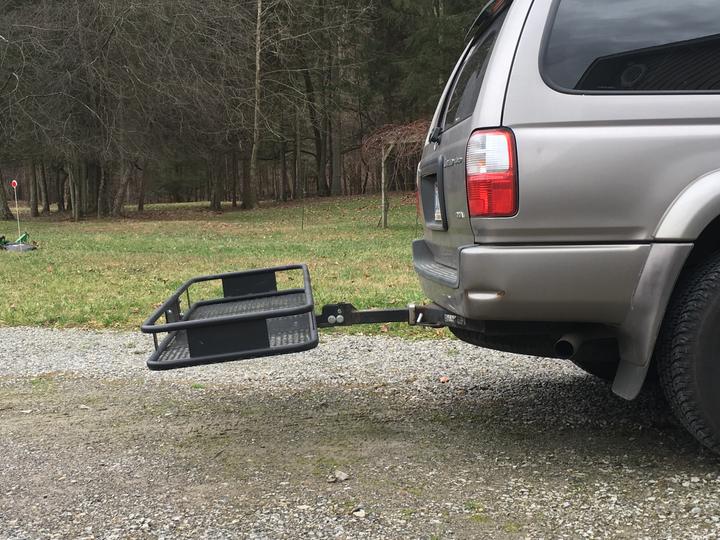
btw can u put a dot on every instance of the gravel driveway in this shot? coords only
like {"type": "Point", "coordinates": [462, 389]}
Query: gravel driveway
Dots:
{"type": "Point", "coordinates": [437, 439]}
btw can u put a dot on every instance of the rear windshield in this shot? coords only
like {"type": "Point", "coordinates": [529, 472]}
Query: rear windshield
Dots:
{"type": "Point", "coordinates": [462, 100]}
{"type": "Point", "coordinates": [635, 46]}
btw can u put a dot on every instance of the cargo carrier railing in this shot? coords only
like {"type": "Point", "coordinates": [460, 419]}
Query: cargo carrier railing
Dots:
{"type": "Point", "coordinates": [256, 313]}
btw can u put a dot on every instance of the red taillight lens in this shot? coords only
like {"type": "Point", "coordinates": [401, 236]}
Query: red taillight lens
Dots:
{"type": "Point", "coordinates": [491, 174]}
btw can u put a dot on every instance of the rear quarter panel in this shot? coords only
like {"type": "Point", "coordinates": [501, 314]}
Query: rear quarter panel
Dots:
{"type": "Point", "coordinates": [597, 168]}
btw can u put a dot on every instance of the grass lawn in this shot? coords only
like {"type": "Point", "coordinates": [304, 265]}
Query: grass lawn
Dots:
{"type": "Point", "coordinates": [111, 274]}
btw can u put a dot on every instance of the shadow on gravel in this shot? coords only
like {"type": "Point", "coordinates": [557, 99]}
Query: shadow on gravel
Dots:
{"type": "Point", "coordinates": [424, 458]}
{"type": "Point", "coordinates": [559, 422]}
{"type": "Point", "coordinates": [579, 417]}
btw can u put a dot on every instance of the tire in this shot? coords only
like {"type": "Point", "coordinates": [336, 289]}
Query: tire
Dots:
{"type": "Point", "coordinates": [688, 352]}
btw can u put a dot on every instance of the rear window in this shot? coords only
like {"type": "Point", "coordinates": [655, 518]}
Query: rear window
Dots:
{"type": "Point", "coordinates": [634, 46]}
{"type": "Point", "coordinates": [468, 82]}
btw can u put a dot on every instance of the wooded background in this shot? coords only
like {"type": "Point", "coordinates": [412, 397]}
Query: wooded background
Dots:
{"type": "Point", "coordinates": [105, 103]}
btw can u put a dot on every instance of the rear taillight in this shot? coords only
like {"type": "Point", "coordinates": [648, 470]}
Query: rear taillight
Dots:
{"type": "Point", "coordinates": [491, 174]}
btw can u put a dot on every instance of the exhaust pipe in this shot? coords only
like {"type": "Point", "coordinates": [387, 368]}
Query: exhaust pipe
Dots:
{"type": "Point", "coordinates": [567, 346]}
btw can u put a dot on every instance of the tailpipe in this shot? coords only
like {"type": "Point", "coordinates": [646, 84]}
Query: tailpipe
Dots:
{"type": "Point", "coordinates": [568, 346]}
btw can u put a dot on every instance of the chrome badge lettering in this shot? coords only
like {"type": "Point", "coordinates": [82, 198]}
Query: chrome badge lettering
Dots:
{"type": "Point", "coordinates": [453, 162]}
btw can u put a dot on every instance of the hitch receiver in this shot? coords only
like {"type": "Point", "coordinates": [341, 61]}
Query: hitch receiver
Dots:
{"type": "Point", "coordinates": [256, 316]}
{"type": "Point", "coordinates": [333, 315]}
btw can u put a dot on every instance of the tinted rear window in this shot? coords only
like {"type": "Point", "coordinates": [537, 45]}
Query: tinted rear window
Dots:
{"type": "Point", "coordinates": [635, 46]}
{"type": "Point", "coordinates": [469, 80]}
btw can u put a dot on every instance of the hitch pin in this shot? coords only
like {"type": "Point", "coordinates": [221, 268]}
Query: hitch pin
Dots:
{"type": "Point", "coordinates": [420, 318]}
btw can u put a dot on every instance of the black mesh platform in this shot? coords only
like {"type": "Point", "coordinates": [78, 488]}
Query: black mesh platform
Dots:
{"type": "Point", "coordinates": [295, 331]}
{"type": "Point", "coordinates": [241, 306]}
{"type": "Point", "coordinates": [253, 319]}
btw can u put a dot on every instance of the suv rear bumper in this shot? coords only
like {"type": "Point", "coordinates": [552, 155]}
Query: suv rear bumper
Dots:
{"type": "Point", "coordinates": [578, 283]}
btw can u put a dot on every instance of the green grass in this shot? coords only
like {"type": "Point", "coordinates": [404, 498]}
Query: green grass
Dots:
{"type": "Point", "coordinates": [112, 274]}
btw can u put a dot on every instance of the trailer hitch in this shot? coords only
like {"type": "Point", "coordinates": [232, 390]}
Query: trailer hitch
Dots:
{"type": "Point", "coordinates": [343, 314]}
{"type": "Point", "coordinates": [255, 316]}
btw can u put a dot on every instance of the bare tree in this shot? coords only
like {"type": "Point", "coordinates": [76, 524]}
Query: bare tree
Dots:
{"type": "Point", "coordinates": [88, 88]}
{"type": "Point", "coordinates": [5, 213]}
{"type": "Point", "coordinates": [249, 194]}
{"type": "Point", "coordinates": [33, 190]}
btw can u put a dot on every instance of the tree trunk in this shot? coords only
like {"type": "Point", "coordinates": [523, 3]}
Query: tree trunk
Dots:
{"type": "Point", "coordinates": [235, 173]}
{"type": "Point", "coordinates": [249, 195]}
{"type": "Point", "coordinates": [331, 155]}
{"type": "Point", "coordinates": [5, 213]}
{"type": "Point", "coordinates": [84, 187]}
{"type": "Point", "coordinates": [74, 171]}
{"type": "Point", "coordinates": [336, 131]}
{"type": "Point", "coordinates": [121, 193]}
{"type": "Point", "coordinates": [364, 174]}
{"type": "Point", "coordinates": [284, 188]}
{"type": "Point", "coordinates": [67, 192]}
{"type": "Point", "coordinates": [323, 185]}
{"type": "Point", "coordinates": [92, 187]}
{"type": "Point", "coordinates": [33, 191]}
{"type": "Point", "coordinates": [250, 181]}
{"type": "Point", "coordinates": [77, 188]}
{"type": "Point", "coordinates": [298, 157]}
{"type": "Point", "coordinates": [245, 181]}
{"type": "Point", "coordinates": [440, 14]}
{"type": "Point", "coordinates": [44, 193]}
{"type": "Point", "coordinates": [141, 189]}
{"type": "Point", "coordinates": [102, 188]}
{"type": "Point", "coordinates": [336, 185]}
{"type": "Point", "coordinates": [277, 188]}
{"type": "Point", "coordinates": [318, 137]}
{"type": "Point", "coordinates": [60, 178]}
{"type": "Point", "coordinates": [383, 185]}
{"type": "Point", "coordinates": [215, 186]}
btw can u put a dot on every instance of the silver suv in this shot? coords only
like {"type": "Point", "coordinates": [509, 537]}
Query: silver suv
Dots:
{"type": "Point", "coordinates": [570, 190]}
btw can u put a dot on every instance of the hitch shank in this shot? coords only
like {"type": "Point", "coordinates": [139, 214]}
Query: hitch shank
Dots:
{"type": "Point", "coordinates": [344, 314]}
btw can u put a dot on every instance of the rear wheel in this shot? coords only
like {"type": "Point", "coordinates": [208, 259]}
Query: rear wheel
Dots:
{"type": "Point", "coordinates": [688, 352]}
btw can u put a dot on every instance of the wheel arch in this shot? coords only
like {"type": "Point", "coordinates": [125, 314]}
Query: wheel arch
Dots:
{"type": "Point", "coordinates": [687, 234]}
{"type": "Point", "coordinates": [692, 211]}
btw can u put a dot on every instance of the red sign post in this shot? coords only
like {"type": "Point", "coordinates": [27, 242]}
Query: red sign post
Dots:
{"type": "Point", "coordinates": [14, 185]}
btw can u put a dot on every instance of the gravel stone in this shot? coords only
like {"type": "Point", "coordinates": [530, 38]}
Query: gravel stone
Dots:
{"type": "Point", "coordinates": [443, 440]}
{"type": "Point", "coordinates": [341, 476]}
